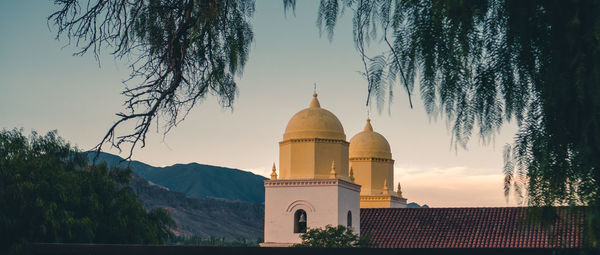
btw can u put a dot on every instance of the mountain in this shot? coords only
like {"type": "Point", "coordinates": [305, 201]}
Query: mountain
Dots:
{"type": "Point", "coordinates": [415, 205]}
{"type": "Point", "coordinates": [232, 220]}
{"type": "Point", "coordinates": [196, 180]}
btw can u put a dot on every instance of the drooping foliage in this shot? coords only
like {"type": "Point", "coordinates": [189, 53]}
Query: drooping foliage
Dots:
{"type": "Point", "coordinates": [481, 64]}
{"type": "Point", "coordinates": [48, 193]}
{"type": "Point", "coordinates": [180, 51]}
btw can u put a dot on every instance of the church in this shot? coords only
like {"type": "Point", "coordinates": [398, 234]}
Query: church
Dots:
{"type": "Point", "coordinates": [325, 180]}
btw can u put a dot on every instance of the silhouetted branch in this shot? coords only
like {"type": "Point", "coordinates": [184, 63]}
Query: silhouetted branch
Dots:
{"type": "Point", "coordinates": [182, 50]}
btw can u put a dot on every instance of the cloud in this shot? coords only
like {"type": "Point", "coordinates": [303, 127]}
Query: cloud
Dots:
{"type": "Point", "coordinates": [266, 172]}
{"type": "Point", "coordinates": [457, 186]}
{"type": "Point", "coordinates": [452, 187]}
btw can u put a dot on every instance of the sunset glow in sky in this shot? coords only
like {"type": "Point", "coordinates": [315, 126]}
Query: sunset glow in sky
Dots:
{"type": "Point", "coordinates": [43, 87]}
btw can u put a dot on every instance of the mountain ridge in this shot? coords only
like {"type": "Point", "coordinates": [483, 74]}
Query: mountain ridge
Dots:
{"type": "Point", "coordinates": [205, 218]}
{"type": "Point", "coordinates": [195, 179]}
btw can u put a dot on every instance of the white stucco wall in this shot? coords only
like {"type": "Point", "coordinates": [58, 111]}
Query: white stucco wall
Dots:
{"type": "Point", "coordinates": [325, 201]}
{"type": "Point", "coordinates": [349, 200]}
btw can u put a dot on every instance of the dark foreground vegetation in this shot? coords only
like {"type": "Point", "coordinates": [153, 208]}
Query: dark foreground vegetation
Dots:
{"type": "Point", "coordinates": [49, 193]}
{"type": "Point", "coordinates": [212, 241]}
{"type": "Point", "coordinates": [68, 249]}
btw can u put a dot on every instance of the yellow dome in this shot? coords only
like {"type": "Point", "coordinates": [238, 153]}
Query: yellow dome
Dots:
{"type": "Point", "coordinates": [369, 144]}
{"type": "Point", "coordinates": [314, 122]}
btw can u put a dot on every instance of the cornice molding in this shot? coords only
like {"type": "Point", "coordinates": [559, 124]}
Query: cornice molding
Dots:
{"type": "Point", "coordinates": [372, 159]}
{"type": "Point", "coordinates": [382, 198]}
{"type": "Point", "coordinates": [274, 244]}
{"type": "Point", "coordinates": [312, 182]}
{"type": "Point", "coordinates": [316, 140]}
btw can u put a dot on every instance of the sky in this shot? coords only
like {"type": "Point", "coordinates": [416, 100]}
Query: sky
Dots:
{"type": "Point", "coordinates": [43, 87]}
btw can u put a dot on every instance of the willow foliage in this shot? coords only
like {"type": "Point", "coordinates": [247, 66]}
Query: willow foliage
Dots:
{"type": "Point", "coordinates": [481, 64]}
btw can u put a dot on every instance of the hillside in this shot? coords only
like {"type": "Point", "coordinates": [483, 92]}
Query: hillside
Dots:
{"type": "Point", "coordinates": [233, 220]}
{"type": "Point", "coordinates": [415, 205]}
{"type": "Point", "coordinates": [197, 180]}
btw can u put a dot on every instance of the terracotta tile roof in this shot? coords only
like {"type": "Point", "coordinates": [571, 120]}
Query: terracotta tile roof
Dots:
{"type": "Point", "coordinates": [497, 227]}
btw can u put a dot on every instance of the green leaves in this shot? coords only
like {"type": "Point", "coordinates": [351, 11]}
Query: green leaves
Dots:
{"type": "Point", "coordinates": [480, 64]}
{"type": "Point", "coordinates": [48, 193]}
{"type": "Point", "coordinates": [329, 237]}
{"type": "Point", "coordinates": [327, 16]}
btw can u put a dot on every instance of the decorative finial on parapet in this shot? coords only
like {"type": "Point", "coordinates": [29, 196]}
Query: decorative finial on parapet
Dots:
{"type": "Point", "coordinates": [351, 174]}
{"type": "Point", "coordinates": [385, 187]}
{"type": "Point", "coordinates": [399, 190]}
{"type": "Point", "coordinates": [274, 172]}
{"type": "Point", "coordinates": [333, 173]}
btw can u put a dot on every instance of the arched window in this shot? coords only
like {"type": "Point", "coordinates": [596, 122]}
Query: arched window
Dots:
{"type": "Point", "coordinates": [349, 219]}
{"type": "Point", "coordinates": [300, 221]}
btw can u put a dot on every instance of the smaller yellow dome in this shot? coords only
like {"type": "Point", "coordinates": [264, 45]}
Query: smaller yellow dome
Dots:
{"type": "Point", "coordinates": [369, 144]}
{"type": "Point", "coordinates": [314, 122]}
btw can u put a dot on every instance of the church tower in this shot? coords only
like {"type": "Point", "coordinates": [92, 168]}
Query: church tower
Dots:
{"type": "Point", "coordinates": [314, 187]}
{"type": "Point", "coordinates": [373, 167]}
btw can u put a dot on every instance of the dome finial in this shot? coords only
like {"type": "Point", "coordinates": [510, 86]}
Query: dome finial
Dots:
{"type": "Point", "coordinates": [368, 127]}
{"type": "Point", "coordinates": [315, 102]}
{"type": "Point", "coordinates": [333, 173]}
{"type": "Point", "coordinates": [274, 172]}
{"type": "Point", "coordinates": [399, 192]}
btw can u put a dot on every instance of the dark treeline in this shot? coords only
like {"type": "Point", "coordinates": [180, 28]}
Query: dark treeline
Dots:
{"type": "Point", "coordinates": [212, 241]}
{"type": "Point", "coordinates": [50, 194]}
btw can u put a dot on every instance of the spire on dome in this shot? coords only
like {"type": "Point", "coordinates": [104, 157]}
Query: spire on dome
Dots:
{"type": "Point", "coordinates": [274, 173]}
{"type": "Point", "coordinates": [368, 127]}
{"type": "Point", "coordinates": [332, 173]}
{"type": "Point", "coordinates": [315, 102]}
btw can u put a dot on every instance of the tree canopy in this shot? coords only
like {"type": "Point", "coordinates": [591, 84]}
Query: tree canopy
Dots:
{"type": "Point", "coordinates": [483, 63]}
{"type": "Point", "coordinates": [329, 237]}
{"type": "Point", "coordinates": [49, 193]}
